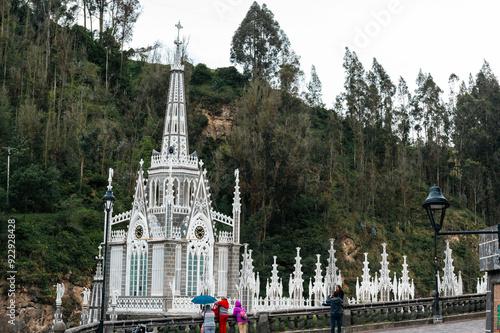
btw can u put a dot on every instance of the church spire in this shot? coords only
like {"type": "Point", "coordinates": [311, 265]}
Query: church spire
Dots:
{"type": "Point", "coordinates": [175, 144]}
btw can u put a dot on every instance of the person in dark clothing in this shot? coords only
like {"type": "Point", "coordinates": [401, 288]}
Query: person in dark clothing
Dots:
{"type": "Point", "coordinates": [335, 303]}
{"type": "Point", "coordinates": [338, 288]}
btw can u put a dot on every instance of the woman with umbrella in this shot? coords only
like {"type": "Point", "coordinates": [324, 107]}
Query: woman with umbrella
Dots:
{"type": "Point", "coordinates": [208, 314]}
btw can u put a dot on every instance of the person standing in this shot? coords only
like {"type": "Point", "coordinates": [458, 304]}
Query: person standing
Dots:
{"type": "Point", "coordinates": [335, 303]}
{"type": "Point", "coordinates": [223, 306]}
{"type": "Point", "coordinates": [338, 289]}
{"type": "Point", "coordinates": [208, 320]}
{"type": "Point", "coordinates": [241, 317]}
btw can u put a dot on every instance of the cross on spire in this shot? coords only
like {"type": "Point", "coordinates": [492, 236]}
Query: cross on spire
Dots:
{"type": "Point", "coordinates": [179, 27]}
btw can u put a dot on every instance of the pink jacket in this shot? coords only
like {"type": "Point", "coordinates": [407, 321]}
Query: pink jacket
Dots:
{"type": "Point", "coordinates": [236, 312]}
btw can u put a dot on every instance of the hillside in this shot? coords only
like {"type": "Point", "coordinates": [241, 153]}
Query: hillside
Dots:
{"type": "Point", "coordinates": [74, 104]}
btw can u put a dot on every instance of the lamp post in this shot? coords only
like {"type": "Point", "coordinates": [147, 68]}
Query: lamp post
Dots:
{"type": "Point", "coordinates": [108, 205]}
{"type": "Point", "coordinates": [9, 149]}
{"type": "Point", "coordinates": [435, 205]}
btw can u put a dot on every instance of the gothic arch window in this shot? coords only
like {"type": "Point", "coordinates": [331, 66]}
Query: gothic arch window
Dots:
{"type": "Point", "coordinates": [185, 197]}
{"type": "Point", "coordinates": [196, 261]}
{"type": "Point", "coordinates": [138, 268]}
{"type": "Point", "coordinates": [160, 193]}
{"type": "Point", "coordinates": [176, 191]}
{"type": "Point", "coordinates": [157, 192]}
{"type": "Point", "coordinates": [192, 186]}
{"type": "Point", "coordinates": [182, 117]}
{"type": "Point", "coordinates": [223, 267]}
{"type": "Point", "coordinates": [164, 186]}
{"type": "Point", "coordinates": [198, 254]}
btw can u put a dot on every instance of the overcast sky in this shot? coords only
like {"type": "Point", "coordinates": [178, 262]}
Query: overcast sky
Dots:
{"type": "Point", "coordinates": [440, 37]}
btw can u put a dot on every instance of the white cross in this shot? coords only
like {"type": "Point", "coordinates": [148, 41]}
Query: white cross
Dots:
{"type": "Point", "coordinates": [179, 27]}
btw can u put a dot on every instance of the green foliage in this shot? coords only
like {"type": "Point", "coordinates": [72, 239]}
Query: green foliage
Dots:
{"type": "Point", "coordinates": [201, 75]}
{"type": "Point", "coordinates": [212, 90]}
{"type": "Point", "coordinates": [34, 189]}
{"type": "Point", "coordinates": [52, 246]}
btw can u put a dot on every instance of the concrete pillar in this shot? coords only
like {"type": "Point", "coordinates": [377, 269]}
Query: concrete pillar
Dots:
{"type": "Point", "coordinates": [262, 322]}
{"type": "Point", "coordinates": [59, 327]}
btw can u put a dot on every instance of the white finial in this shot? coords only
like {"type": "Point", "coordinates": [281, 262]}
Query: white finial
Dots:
{"type": "Point", "coordinates": [114, 297]}
{"type": "Point", "coordinates": [60, 293]}
{"type": "Point", "coordinates": [201, 163]}
{"type": "Point", "coordinates": [99, 256]}
{"type": "Point", "coordinates": [141, 162]}
{"type": "Point", "coordinates": [237, 175]}
{"type": "Point", "coordinates": [86, 296]}
{"type": "Point", "coordinates": [110, 178]}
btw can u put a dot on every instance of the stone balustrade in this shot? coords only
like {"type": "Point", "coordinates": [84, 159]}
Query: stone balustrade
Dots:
{"type": "Point", "coordinates": [357, 318]}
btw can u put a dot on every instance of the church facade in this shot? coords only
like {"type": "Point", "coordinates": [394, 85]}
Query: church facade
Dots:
{"type": "Point", "coordinates": [170, 249]}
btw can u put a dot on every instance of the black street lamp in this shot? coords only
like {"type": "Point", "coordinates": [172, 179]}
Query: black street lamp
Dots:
{"type": "Point", "coordinates": [435, 205]}
{"type": "Point", "coordinates": [108, 205]}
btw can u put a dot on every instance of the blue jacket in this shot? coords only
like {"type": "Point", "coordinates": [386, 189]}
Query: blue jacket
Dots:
{"type": "Point", "coordinates": [335, 304]}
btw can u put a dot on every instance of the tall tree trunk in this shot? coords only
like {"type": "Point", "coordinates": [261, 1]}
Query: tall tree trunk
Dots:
{"type": "Point", "coordinates": [85, 14]}
{"type": "Point", "coordinates": [101, 4]}
{"type": "Point", "coordinates": [47, 54]}
{"type": "Point", "coordinates": [6, 46]}
{"type": "Point", "coordinates": [26, 28]}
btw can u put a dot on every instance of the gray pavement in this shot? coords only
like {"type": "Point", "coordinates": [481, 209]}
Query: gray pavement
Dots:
{"type": "Point", "coordinates": [468, 326]}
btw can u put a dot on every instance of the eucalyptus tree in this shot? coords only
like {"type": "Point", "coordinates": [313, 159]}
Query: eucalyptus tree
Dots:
{"type": "Point", "coordinates": [355, 86]}
{"type": "Point", "coordinates": [435, 121]}
{"type": "Point", "coordinates": [402, 112]}
{"type": "Point", "coordinates": [476, 136]}
{"type": "Point", "coordinates": [386, 91]}
{"type": "Point", "coordinates": [262, 48]}
{"type": "Point", "coordinates": [271, 144]}
{"type": "Point", "coordinates": [355, 97]}
{"type": "Point", "coordinates": [314, 90]}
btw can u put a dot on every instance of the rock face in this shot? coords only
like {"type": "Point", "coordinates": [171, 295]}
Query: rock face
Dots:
{"type": "Point", "coordinates": [220, 123]}
{"type": "Point", "coordinates": [30, 316]}
{"type": "Point", "coordinates": [350, 249]}
{"type": "Point", "coordinates": [38, 318]}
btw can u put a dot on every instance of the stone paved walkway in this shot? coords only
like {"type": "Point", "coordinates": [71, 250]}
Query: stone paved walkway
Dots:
{"type": "Point", "coordinates": [469, 326]}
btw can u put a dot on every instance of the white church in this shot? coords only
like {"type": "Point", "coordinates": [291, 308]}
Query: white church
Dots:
{"type": "Point", "coordinates": [167, 249]}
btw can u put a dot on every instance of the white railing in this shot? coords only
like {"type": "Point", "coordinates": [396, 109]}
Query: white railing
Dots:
{"type": "Point", "coordinates": [176, 232]}
{"type": "Point", "coordinates": [121, 217]}
{"type": "Point", "coordinates": [182, 210]}
{"type": "Point", "coordinates": [279, 303]}
{"type": "Point", "coordinates": [158, 232]}
{"type": "Point", "coordinates": [184, 304]}
{"type": "Point", "coordinates": [225, 237]}
{"type": "Point", "coordinates": [177, 210]}
{"type": "Point", "coordinates": [138, 304]}
{"type": "Point", "coordinates": [159, 160]}
{"type": "Point", "coordinates": [222, 218]}
{"type": "Point", "coordinates": [157, 210]}
{"type": "Point", "coordinates": [118, 235]}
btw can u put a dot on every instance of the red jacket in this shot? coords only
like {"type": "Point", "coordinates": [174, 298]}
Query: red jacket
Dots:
{"type": "Point", "coordinates": [223, 307]}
